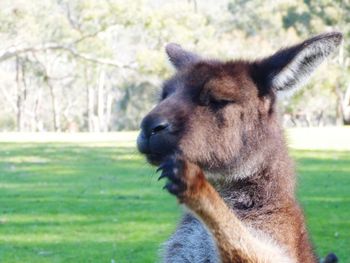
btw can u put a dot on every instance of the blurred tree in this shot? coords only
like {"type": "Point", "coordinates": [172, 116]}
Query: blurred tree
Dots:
{"type": "Point", "coordinates": [97, 65]}
{"type": "Point", "coordinates": [310, 17]}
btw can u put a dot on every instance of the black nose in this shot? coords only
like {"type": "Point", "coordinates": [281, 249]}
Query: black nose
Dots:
{"type": "Point", "coordinates": [154, 124]}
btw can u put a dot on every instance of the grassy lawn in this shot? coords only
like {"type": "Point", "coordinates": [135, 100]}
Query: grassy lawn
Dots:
{"type": "Point", "coordinates": [100, 202]}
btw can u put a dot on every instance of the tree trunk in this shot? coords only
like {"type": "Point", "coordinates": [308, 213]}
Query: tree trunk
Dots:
{"type": "Point", "coordinates": [346, 106]}
{"type": "Point", "coordinates": [90, 103]}
{"type": "Point", "coordinates": [109, 111]}
{"type": "Point", "coordinates": [19, 99]}
{"type": "Point", "coordinates": [36, 125]}
{"type": "Point", "coordinates": [24, 95]}
{"type": "Point", "coordinates": [100, 106]}
{"type": "Point", "coordinates": [343, 105]}
{"type": "Point", "coordinates": [55, 116]}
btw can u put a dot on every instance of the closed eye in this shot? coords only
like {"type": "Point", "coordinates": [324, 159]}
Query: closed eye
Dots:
{"type": "Point", "coordinates": [219, 103]}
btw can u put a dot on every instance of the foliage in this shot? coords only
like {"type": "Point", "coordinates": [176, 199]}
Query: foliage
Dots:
{"type": "Point", "coordinates": [314, 16]}
{"type": "Point", "coordinates": [100, 202]}
{"type": "Point", "coordinates": [76, 68]}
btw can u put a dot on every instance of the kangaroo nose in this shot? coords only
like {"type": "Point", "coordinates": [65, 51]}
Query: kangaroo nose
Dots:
{"type": "Point", "coordinates": [153, 125]}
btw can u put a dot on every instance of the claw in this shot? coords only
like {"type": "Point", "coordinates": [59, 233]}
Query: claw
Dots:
{"type": "Point", "coordinates": [160, 168]}
{"type": "Point", "coordinates": [172, 170]}
{"type": "Point", "coordinates": [162, 176]}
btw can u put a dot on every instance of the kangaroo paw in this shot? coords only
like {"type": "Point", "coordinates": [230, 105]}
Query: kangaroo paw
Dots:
{"type": "Point", "coordinates": [184, 178]}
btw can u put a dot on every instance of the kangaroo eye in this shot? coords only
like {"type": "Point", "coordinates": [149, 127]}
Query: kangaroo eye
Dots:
{"type": "Point", "coordinates": [223, 102]}
{"type": "Point", "coordinates": [219, 103]}
{"type": "Point", "coordinates": [207, 99]}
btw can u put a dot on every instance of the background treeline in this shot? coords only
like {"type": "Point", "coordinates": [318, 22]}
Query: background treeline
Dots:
{"type": "Point", "coordinates": [70, 65]}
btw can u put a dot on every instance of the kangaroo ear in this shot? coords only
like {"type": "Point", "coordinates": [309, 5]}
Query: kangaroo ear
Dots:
{"type": "Point", "coordinates": [292, 67]}
{"type": "Point", "coordinates": [179, 57]}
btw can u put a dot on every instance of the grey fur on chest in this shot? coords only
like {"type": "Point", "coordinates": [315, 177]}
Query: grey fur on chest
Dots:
{"type": "Point", "coordinates": [191, 242]}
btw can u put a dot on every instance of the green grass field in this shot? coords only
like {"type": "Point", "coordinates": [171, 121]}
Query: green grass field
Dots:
{"type": "Point", "coordinates": [101, 202]}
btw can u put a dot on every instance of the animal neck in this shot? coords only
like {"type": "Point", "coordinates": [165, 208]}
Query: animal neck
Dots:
{"type": "Point", "coordinates": [268, 178]}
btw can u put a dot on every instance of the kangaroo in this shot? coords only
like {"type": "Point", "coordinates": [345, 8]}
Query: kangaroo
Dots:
{"type": "Point", "coordinates": [216, 136]}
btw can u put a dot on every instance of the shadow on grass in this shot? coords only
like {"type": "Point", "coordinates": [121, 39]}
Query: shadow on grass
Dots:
{"type": "Point", "coordinates": [93, 251]}
{"type": "Point", "coordinates": [323, 189]}
{"type": "Point", "coordinates": [76, 203]}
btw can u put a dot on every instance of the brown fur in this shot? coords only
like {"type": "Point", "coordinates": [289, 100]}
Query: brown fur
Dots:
{"type": "Point", "coordinates": [220, 120]}
{"type": "Point", "coordinates": [247, 131]}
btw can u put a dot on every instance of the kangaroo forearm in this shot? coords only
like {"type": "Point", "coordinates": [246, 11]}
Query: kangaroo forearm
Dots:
{"type": "Point", "coordinates": [234, 241]}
